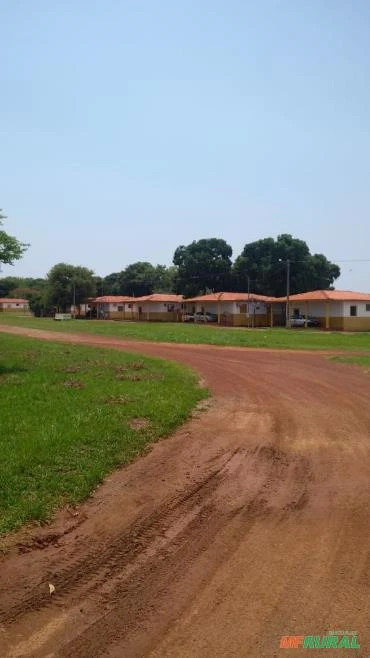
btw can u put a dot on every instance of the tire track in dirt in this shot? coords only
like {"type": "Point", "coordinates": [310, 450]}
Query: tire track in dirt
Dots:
{"type": "Point", "coordinates": [250, 523]}
{"type": "Point", "coordinates": [106, 559]}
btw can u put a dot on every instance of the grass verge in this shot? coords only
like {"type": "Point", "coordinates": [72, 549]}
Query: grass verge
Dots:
{"type": "Point", "coordinates": [70, 415]}
{"type": "Point", "coordinates": [362, 361]}
{"type": "Point", "coordinates": [300, 339]}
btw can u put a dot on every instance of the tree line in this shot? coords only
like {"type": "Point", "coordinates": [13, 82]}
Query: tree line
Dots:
{"type": "Point", "coordinates": [199, 267]}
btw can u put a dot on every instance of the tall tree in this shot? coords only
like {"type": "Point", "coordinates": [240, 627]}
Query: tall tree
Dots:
{"type": "Point", "coordinates": [203, 265]}
{"type": "Point", "coordinates": [165, 278]}
{"type": "Point", "coordinates": [68, 282]}
{"type": "Point", "coordinates": [263, 264]}
{"type": "Point", "coordinates": [10, 248]}
{"type": "Point", "coordinates": [138, 279]}
{"type": "Point", "coordinates": [111, 284]}
{"type": "Point", "coordinates": [8, 284]}
{"type": "Point", "coordinates": [12, 286]}
{"type": "Point", "coordinates": [24, 293]}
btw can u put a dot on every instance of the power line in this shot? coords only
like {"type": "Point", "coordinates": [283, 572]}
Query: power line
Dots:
{"type": "Point", "coordinates": [352, 260]}
{"type": "Point", "coordinates": [337, 260]}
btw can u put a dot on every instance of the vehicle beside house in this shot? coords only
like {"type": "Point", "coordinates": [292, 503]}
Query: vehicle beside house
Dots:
{"type": "Point", "coordinates": [327, 309]}
{"type": "Point", "coordinates": [341, 310]}
{"type": "Point", "coordinates": [302, 321]}
{"type": "Point", "coordinates": [236, 309]}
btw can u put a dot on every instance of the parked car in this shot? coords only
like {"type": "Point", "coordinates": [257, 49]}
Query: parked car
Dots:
{"type": "Point", "coordinates": [188, 317]}
{"type": "Point", "coordinates": [300, 321]}
{"type": "Point", "coordinates": [313, 322]}
{"type": "Point", "coordinates": [297, 321]}
{"type": "Point", "coordinates": [205, 317]}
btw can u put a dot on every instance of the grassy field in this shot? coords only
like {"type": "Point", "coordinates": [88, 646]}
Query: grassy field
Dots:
{"type": "Point", "coordinates": [362, 361]}
{"type": "Point", "coordinates": [280, 338]}
{"type": "Point", "coordinates": [69, 415]}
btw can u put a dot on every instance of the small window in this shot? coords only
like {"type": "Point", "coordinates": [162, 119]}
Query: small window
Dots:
{"type": "Point", "coordinates": [296, 312]}
{"type": "Point", "coordinates": [17, 304]}
{"type": "Point", "coordinates": [367, 308]}
{"type": "Point", "coordinates": [353, 311]}
{"type": "Point", "coordinates": [120, 308]}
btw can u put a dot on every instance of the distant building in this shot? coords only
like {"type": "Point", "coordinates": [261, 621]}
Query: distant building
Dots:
{"type": "Point", "coordinates": [9, 304]}
{"type": "Point", "coordinates": [159, 307]}
{"type": "Point", "coordinates": [112, 307]}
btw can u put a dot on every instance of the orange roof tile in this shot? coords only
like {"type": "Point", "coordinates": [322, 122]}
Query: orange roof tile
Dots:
{"type": "Point", "coordinates": [112, 299]}
{"type": "Point", "coordinates": [160, 297]}
{"type": "Point", "coordinates": [13, 300]}
{"type": "Point", "coordinates": [229, 297]}
{"type": "Point", "coordinates": [327, 295]}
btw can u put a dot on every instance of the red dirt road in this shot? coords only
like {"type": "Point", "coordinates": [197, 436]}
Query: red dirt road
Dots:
{"type": "Point", "coordinates": [250, 523]}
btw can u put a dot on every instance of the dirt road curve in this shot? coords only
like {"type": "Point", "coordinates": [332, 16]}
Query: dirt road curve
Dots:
{"type": "Point", "coordinates": [252, 522]}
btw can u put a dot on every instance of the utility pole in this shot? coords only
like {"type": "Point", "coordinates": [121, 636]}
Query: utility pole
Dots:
{"type": "Point", "coordinates": [287, 292]}
{"type": "Point", "coordinates": [74, 299]}
{"type": "Point", "coordinates": [287, 323]}
{"type": "Point", "coordinates": [248, 300]}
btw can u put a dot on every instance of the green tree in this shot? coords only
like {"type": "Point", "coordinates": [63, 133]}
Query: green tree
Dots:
{"type": "Point", "coordinates": [12, 286]}
{"type": "Point", "coordinates": [24, 293]}
{"type": "Point", "coordinates": [111, 284]}
{"type": "Point", "coordinates": [263, 262]}
{"type": "Point", "coordinates": [165, 278]}
{"type": "Point", "coordinates": [68, 282]}
{"type": "Point", "coordinates": [138, 279]}
{"type": "Point", "coordinates": [8, 284]}
{"type": "Point", "coordinates": [203, 265]}
{"type": "Point", "coordinates": [10, 248]}
{"type": "Point", "coordinates": [40, 305]}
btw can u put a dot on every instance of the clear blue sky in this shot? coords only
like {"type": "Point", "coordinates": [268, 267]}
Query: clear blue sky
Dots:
{"type": "Point", "coordinates": [130, 127]}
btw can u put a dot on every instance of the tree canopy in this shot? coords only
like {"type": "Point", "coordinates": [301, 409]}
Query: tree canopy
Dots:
{"type": "Point", "coordinates": [200, 267]}
{"type": "Point", "coordinates": [140, 278]}
{"type": "Point", "coordinates": [16, 286]}
{"type": "Point", "coordinates": [203, 265]}
{"type": "Point", "coordinates": [263, 262]}
{"type": "Point", "coordinates": [10, 248]}
{"type": "Point", "coordinates": [67, 282]}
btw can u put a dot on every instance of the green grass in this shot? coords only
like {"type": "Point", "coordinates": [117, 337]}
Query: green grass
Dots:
{"type": "Point", "coordinates": [306, 339]}
{"type": "Point", "coordinates": [65, 420]}
{"type": "Point", "coordinates": [362, 361]}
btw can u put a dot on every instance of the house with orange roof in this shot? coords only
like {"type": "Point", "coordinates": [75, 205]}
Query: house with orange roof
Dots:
{"type": "Point", "coordinates": [11, 304]}
{"type": "Point", "coordinates": [159, 307]}
{"type": "Point", "coordinates": [342, 310]}
{"type": "Point", "coordinates": [112, 307]}
{"type": "Point", "coordinates": [238, 309]}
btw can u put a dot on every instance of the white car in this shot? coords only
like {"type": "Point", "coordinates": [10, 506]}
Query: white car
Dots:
{"type": "Point", "coordinates": [300, 321]}
{"type": "Point", "coordinates": [297, 321]}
